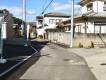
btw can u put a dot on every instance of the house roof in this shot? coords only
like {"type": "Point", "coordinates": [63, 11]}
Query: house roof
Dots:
{"type": "Point", "coordinates": [56, 14]}
{"type": "Point", "coordinates": [96, 14]}
{"type": "Point", "coordinates": [98, 17]}
{"type": "Point", "coordinates": [39, 17]}
{"type": "Point", "coordinates": [83, 2]}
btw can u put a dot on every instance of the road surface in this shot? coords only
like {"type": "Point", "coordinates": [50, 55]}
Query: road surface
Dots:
{"type": "Point", "coordinates": [56, 63]}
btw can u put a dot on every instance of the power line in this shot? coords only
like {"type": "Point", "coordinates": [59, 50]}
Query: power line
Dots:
{"type": "Point", "coordinates": [47, 7]}
{"type": "Point", "coordinates": [44, 4]}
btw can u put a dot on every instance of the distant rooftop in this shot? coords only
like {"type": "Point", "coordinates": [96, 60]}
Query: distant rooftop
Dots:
{"type": "Point", "coordinates": [56, 14]}
{"type": "Point", "coordinates": [39, 17]}
{"type": "Point", "coordinates": [82, 2]}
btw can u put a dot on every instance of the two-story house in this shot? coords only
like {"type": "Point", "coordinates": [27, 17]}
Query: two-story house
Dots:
{"type": "Point", "coordinates": [90, 25]}
{"type": "Point", "coordinates": [49, 21]}
{"type": "Point", "coordinates": [93, 17]}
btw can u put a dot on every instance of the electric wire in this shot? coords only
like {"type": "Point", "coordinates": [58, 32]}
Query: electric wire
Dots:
{"type": "Point", "coordinates": [47, 7]}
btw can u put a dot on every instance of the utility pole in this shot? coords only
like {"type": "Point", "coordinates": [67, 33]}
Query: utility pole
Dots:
{"type": "Point", "coordinates": [72, 22]}
{"type": "Point", "coordinates": [24, 16]}
{"type": "Point", "coordinates": [24, 23]}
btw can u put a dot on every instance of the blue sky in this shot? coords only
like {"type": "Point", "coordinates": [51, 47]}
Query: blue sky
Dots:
{"type": "Point", "coordinates": [35, 7]}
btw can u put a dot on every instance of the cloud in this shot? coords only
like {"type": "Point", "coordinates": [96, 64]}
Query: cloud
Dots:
{"type": "Point", "coordinates": [65, 6]}
{"type": "Point", "coordinates": [17, 11]}
{"type": "Point", "coordinates": [60, 6]}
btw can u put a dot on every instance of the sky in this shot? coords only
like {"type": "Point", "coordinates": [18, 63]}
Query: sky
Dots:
{"type": "Point", "coordinates": [35, 7]}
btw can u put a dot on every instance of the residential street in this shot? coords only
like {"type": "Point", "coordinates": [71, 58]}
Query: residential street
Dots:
{"type": "Point", "coordinates": [56, 63]}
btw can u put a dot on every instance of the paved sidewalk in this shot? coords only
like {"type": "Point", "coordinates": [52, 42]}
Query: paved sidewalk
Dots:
{"type": "Point", "coordinates": [96, 60]}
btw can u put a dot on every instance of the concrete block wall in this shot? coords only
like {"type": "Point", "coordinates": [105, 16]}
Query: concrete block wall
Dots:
{"type": "Point", "coordinates": [84, 39]}
{"type": "Point", "coordinates": [87, 39]}
{"type": "Point", "coordinates": [59, 37]}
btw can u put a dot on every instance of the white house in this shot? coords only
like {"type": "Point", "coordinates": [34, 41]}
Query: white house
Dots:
{"type": "Point", "coordinates": [39, 25]}
{"type": "Point", "coordinates": [49, 21]}
{"type": "Point", "coordinates": [89, 26]}
{"type": "Point", "coordinates": [93, 17]}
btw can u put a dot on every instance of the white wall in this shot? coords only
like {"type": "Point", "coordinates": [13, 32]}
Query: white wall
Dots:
{"type": "Point", "coordinates": [89, 25]}
{"type": "Point", "coordinates": [4, 32]}
{"type": "Point", "coordinates": [84, 9]}
{"type": "Point", "coordinates": [98, 6]}
{"type": "Point", "coordinates": [37, 24]}
{"type": "Point", "coordinates": [46, 21]}
{"type": "Point", "coordinates": [40, 31]}
{"type": "Point", "coordinates": [103, 29]}
{"type": "Point", "coordinates": [90, 28]}
{"type": "Point", "coordinates": [82, 27]}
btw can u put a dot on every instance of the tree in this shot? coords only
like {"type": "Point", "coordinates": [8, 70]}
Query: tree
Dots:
{"type": "Point", "coordinates": [17, 21]}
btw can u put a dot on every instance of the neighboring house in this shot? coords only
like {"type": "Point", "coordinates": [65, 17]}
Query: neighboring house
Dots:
{"type": "Point", "coordinates": [39, 26]}
{"type": "Point", "coordinates": [32, 29]}
{"type": "Point", "coordinates": [39, 21]}
{"type": "Point", "coordinates": [6, 22]}
{"type": "Point", "coordinates": [49, 21]}
{"type": "Point", "coordinates": [90, 25]}
{"type": "Point", "coordinates": [93, 18]}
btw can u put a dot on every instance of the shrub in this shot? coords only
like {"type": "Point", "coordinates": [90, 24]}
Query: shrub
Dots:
{"type": "Point", "coordinates": [80, 45]}
{"type": "Point", "coordinates": [92, 44]}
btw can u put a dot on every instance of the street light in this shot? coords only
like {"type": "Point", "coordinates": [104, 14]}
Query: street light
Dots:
{"type": "Point", "coordinates": [72, 23]}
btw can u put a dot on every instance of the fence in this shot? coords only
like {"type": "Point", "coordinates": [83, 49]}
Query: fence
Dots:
{"type": "Point", "coordinates": [86, 40]}
{"type": "Point", "coordinates": [59, 37]}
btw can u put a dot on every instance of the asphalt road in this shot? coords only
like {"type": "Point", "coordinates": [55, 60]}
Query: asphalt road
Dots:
{"type": "Point", "coordinates": [56, 63]}
{"type": "Point", "coordinates": [15, 54]}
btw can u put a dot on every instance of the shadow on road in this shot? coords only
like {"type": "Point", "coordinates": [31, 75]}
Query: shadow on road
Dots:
{"type": "Point", "coordinates": [11, 51]}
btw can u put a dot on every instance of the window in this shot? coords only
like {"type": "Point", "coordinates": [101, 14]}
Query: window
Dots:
{"type": "Point", "coordinates": [51, 21]}
{"type": "Point", "coordinates": [104, 8]}
{"type": "Point", "coordinates": [89, 7]}
{"type": "Point", "coordinates": [40, 22]}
